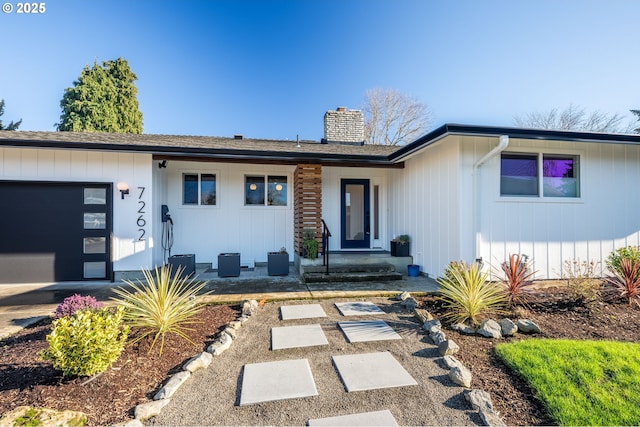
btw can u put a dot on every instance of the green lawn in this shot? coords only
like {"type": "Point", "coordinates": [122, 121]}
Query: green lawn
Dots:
{"type": "Point", "coordinates": [581, 382]}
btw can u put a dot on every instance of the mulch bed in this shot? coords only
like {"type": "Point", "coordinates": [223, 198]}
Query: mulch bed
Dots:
{"type": "Point", "coordinates": [108, 398]}
{"type": "Point", "coordinates": [559, 316]}
{"type": "Point", "coordinates": [137, 375]}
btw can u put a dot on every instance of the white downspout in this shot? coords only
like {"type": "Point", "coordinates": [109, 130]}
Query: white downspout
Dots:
{"type": "Point", "coordinates": [502, 145]}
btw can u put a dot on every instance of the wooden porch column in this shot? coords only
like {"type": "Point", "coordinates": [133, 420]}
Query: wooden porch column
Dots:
{"type": "Point", "coordinates": [307, 211]}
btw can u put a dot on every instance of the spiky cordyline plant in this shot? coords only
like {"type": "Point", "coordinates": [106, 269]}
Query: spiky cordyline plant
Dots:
{"type": "Point", "coordinates": [518, 284]}
{"type": "Point", "coordinates": [626, 279]}
{"type": "Point", "coordinates": [465, 291]}
{"type": "Point", "coordinates": [166, 303]}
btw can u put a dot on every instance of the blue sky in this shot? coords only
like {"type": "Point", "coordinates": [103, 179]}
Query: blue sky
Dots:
{"type": "Point", "coordinates": [271, 68]}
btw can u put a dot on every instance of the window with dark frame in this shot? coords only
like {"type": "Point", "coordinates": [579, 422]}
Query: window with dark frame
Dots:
{"type": "Point", "coordinates": [522, 173]}
{"type": "Point", "coordinates": [199, 189]}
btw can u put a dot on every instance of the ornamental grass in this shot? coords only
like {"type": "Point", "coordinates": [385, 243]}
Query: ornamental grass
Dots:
{"type": "Point", "coordinates": [165, 304]}
{"type": "Point", "coordinates": [467, 294]}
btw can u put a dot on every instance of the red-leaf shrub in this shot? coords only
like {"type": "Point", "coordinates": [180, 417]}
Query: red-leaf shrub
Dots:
{"type": "Point", "coordinates": [518, 281]}
{"type": "Point", "coordinates": [74, 303]}
{"type": "Point", "coordinates": [626, 279]}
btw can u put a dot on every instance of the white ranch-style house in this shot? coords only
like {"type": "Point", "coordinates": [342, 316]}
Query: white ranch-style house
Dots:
{"type": "Point", "coordinates": [89, 206]}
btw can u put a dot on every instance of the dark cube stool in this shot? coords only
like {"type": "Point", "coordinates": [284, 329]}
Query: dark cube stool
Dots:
{"type": "Point", "coordinates": [277, 263]}
{"type": "Point", "coordinates": [186, 261]}
{"type": "Point", "coordinates": [229, 265]}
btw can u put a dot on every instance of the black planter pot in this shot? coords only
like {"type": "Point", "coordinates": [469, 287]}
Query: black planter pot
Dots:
{"type": "Point", "coordinates": [277, 263]}
{"type": "Point", "coordinates": [399, 249]}
{"type": "Point", "coordinates": [187, 262]}
{"type": "Point", "coordinates": [229, 265]}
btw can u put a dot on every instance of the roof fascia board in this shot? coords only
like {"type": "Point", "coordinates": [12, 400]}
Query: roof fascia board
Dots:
{"type": "Point", "coordinates": [247, 156]}
{"type": "Point", "coordinates": [519, 133]}
{"type": "Point", "coordinates": [289, 161]}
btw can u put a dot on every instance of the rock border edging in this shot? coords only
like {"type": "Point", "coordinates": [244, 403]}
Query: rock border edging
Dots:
{"type": "Point", "coordinates": [478, 400]}
{"type": "Point", "coordinates": [201, 360]}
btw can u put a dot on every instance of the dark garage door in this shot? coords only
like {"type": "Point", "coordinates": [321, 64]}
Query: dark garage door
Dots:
{"type": "Point", "coordinates": [55, 231]}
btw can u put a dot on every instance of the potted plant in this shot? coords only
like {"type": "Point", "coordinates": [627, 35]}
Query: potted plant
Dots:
{"type": "Point", "coordinates": [278, 262]}
{"type": "Point", "coordinates": [309, 243]}
{"type": "Point", "coordinates": [400, 245]}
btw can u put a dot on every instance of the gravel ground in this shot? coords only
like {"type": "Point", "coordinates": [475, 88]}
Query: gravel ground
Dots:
{"type": "Point", "coordinates": [212, 395]}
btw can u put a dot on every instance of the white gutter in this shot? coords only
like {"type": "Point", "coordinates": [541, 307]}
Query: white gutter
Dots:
{"type": "Point", "coordinates": [475, 211]}
{"type": "Point", "coordinates": [502, 145]}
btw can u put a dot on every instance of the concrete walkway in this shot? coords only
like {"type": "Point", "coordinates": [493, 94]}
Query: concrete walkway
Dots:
{"type": "Point", "coordinates": [275, 374]}
{"type": "Point", "coordinates": [24, 304]}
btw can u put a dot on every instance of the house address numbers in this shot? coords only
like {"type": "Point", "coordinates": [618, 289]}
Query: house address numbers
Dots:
{"type": "Point", "coordinates": [141, 222]}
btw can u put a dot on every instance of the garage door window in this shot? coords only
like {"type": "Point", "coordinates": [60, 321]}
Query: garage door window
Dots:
{"type": "Point", "coordinates": [95, 270]}
{"type": "Point", "coordinates": [95, 221]}
{"type": "Point", "coordinates": [95, 245]}
{"type": "Point", "coordinates": [95, 196]}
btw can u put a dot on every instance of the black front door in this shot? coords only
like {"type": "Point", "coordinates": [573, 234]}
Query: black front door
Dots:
{"type": "Point", "coordinates": [55, 231]}
{"type": "Point", "coordinates": [356, 214]}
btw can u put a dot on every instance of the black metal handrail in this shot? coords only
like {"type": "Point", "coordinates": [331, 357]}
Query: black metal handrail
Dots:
{"type": "Point", "coordinates": [325, 245]}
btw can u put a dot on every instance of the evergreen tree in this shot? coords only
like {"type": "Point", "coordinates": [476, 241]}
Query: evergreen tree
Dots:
{"type": "Point", "coordinates": [11, 125]}
{"type": "Point", "coordinates": [103, 99]}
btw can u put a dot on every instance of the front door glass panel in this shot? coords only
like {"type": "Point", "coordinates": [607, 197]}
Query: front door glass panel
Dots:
{"type": "Point", "coordinates": [355, 227]}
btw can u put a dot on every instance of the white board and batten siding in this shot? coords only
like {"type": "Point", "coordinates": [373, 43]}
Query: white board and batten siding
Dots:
{"type": "Point", "coordinates": [425, 202]}
{"type": "Point", "coordinates": [229, 225]}
{"type": "Point", "coordinates": [132, 241]}
{"type": "Point", "coordinates": [554, 230]}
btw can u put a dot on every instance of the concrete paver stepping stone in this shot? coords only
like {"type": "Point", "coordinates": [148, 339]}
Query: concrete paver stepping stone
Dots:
{"type": "Point", "coordinates": [303, 311]}
{"type": "Point", "coordinates": [284, 379]}
{"type": "Point", "coordinates": [358, 308]}
{"type": "Point", "coordinates": [370, 371]}
{"type": "Point", "coordinates": [368, 330]}
{"type": "Point", "coordinates": [297, 336]}
{"type": "Point", "coordinates": [369, 419]}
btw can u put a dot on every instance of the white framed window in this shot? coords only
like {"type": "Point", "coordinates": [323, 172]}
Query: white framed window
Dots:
{"type": "Point", "coordinates": [539, 175]}
{"type": "Point", "coordinates": [265, 190]}
{"type": "Point", "coordinates": [199, 189]}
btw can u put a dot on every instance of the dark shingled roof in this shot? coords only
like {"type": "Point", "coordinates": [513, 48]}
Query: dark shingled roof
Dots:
{"type": "Point", "coordinates": [205, 147]}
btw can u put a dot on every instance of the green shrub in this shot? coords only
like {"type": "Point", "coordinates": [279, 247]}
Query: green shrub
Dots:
{"type": "Point", "coordinates": [166, 303]}
{"type": "Point", "coordinates": [87, 342]}
{"type": "Point", "coordinates": [465, 291]}
{"type": "Point", "coordinates": [613, 260]}
{"type": "Point", "coordinates": [311, 246]}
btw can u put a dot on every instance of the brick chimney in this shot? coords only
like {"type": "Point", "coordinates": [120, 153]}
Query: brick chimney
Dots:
{"type": "Point", "coordinates": [342, 126]}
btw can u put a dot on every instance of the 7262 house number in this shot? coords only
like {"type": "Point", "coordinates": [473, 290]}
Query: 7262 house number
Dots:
{"type": "Point", "coordinates": [141, 222]}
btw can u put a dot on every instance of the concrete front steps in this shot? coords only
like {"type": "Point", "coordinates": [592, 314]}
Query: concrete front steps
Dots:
{"type": "Point", "coordinates": [355, 267]}
{"type": "Point", "coordinates": [351, 273]}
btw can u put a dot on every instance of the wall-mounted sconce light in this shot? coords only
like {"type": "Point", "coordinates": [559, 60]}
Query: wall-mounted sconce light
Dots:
{"type": "Point", "coordinates": [123, 188]}
{"type": "Point", "coordinates": [162, 164]}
